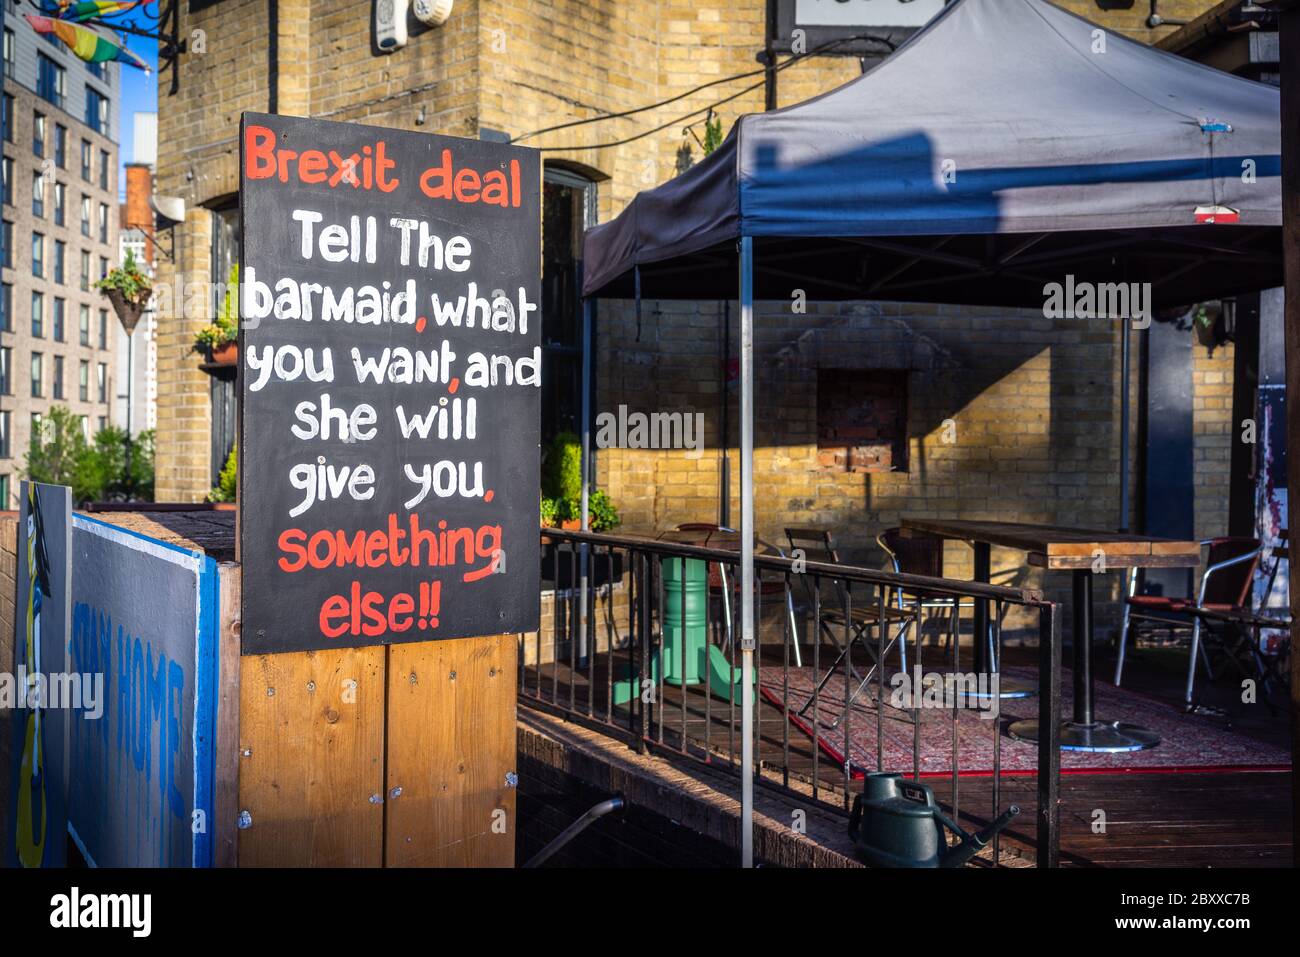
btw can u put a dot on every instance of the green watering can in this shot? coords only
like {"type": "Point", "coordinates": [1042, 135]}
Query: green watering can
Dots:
{"type": "Point", "coordinates": [897, 823]}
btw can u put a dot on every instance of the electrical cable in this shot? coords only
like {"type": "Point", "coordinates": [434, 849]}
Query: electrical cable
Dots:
{"type": "Point", "coordinates": [797, 58]}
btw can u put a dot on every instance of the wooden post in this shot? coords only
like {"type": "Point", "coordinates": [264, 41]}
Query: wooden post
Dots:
{"type": "Point", "coordinates": [1289, 64]}
{"type": "Point", "coordinates": [400, 756]}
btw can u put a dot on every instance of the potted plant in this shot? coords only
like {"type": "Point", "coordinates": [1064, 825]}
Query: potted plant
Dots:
{"type": "Point", "coordinates": [218, 341]}
{"type": "Point", "coordinates": [128, 289]}
{"type": "Point", "coordinates": [562, 490]}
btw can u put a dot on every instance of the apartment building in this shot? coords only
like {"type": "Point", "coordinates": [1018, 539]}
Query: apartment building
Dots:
{"type": "Point", "coordinates": [136, 361]}
{"type": "Point", "coordinates": [60, 226]}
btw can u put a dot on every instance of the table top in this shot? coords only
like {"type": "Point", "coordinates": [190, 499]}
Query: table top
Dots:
{"type": "Point", "coordinates": [712, 538]}
{"type": "Point", "coordinates": [1057, 547]}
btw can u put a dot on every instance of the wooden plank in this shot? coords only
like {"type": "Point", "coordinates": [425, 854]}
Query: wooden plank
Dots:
{"type": "Point", "coordinates": [451, 722]}
{"type": "Point", "coordinates": [1114, 561]}
{"type": "Point", "coordinates": [225, 791]}
{"type": "Point", "coordinates": [1051, 546]}
{"type": "Point", "coordinates": [312, 758]}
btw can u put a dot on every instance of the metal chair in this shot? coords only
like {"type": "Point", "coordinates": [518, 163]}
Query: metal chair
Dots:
{"type": "Point", "coordinates": [1225, 586]}
{"type": "Point", "coordinates": [816, 545]}
{"type": "Point", "coordinates": [920, 554]}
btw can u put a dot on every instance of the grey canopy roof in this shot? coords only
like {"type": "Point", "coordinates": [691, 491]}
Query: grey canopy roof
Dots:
{"type": "Point", "coordinates": [1007, 144]}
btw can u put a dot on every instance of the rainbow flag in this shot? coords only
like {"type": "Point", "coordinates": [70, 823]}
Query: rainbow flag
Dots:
{"type": "Point", "coordinates": [79, 11]}
{"type": "Point", "coordinates": [85, 43]}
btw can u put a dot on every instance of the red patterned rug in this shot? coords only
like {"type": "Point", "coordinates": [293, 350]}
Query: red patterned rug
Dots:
{"type": "Point", "coordinates": [1187, 741]}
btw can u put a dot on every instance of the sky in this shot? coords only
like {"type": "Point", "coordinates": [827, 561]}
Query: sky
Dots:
{"type": "Point", "coordinates": [138, 92]}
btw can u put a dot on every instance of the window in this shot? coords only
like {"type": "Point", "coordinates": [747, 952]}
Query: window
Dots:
{"type": "Point", "coordinates": [38, 134]}
{"type": "Point", "coordinates": [6, 363]}
{"type": "Point", "coordinates": [85, 324]}
{"type": "Point", "coordinates": [5, 447]}
{"type": "Point", "coordinates": [36, 427]}
{"type": "Point", "coordinates": [97, 70]}
{"type": "Point", "coordinates": [7, 117]}
{"type": "Point", "coordinates": [85, 160]}
{"type": "Point", "coordinates": [9, 54]}
{"type": "Point", "coordinates": [83, 381]}
{"type": "Point", "coordinates": [96, 110]}
{"type": "Point", "coordinates": [85, 271]}
{"type": "Point", "coordinates": [60, 146]}
{"type": "Point", "coordinates": [4, 488]}
{"type": "Point", "coordinates": [8, 181]}
{"type": "Point", "coordinates": [103, 267]}
{"type": "Point", "coordinates": [103, 328]}
{"type": "Point", "coordinates": [51, 80]}
{"type": "Point", "coordinates": [58, 377]}
{"type": "Point", "coordinates": [862, 420]}
{"type": "Point", "coordinates": [38, 255]}
{"type": "Point", "coordinates": [60, 309]}
{"type": "Point", "coordinates": [38, 370]}
{"type": "Point", "coordinates": [7, 252]}
{"type": "Point", "coordinates": [60, 261]}
{"type": "Point", "coordinates": [38, 195]}
{"type": "Point", "coordinates": [103, 169]}
{"type": "Point", "coordinates": [6, 308]}
{"type": "Point", "coordinates": [102, 380]}
{"type": "Point", "coordinates": [103, 223]}
{"type": "Point", "coordinates": [85, 215]}
{"type": "Point", "coordinates": [60, 203]}
{"type": "Point", "coordinates": [38, 314]}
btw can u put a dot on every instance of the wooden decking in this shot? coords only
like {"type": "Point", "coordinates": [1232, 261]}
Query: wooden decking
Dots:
{"type": "Point", "coordinates": [1157, 819]}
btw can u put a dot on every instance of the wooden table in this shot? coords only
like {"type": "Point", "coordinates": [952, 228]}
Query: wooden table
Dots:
{"type": "Point", "coordinates": [1081, 551]}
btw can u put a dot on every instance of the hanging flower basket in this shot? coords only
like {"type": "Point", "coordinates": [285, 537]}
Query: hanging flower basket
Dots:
{"type": "Point", "coordinates": [128, 289]}
{"type": "Point", "coordinates": [128, 312]}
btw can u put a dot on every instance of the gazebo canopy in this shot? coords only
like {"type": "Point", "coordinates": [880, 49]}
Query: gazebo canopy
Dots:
{"type": "Point", "coordinates": [1003, 147]}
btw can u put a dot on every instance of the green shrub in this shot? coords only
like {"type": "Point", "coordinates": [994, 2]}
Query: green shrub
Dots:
{"type": "Point", "coordinates": [96, 471]}
{"type": "Point", "coordinates": [226, 481]}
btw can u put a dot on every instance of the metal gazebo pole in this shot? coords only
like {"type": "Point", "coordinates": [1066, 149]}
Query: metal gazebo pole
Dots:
{"type": "Point", "coordinates": [747, 551]}
{"type": "Point", "coordinates": [587, 308]}
{"type": "Point", "coordinates": [1125, 379]}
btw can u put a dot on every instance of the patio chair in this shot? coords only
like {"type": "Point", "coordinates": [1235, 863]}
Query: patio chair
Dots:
{"type": "Point", "coordinates": [722, 588]}
{"type": "Point", "coordinates": [817, 545]}
{"type": "Point", "coordinates": [919, 554]}
{"type": "Point", "coordinates": [1225, 587]}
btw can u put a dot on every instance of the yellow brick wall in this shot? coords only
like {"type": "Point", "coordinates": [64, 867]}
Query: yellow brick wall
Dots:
{"type": "Point", "coordinates": [1034, 401]}
{"type": "Point", "coordinates": [1212, 437]}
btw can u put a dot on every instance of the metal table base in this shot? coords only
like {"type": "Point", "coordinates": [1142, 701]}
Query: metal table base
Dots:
{"type": "Point", "coordinates": [1086, 732]}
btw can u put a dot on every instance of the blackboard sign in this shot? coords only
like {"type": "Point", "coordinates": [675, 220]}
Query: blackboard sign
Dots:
{"type": "Point", "coordinates": [390, 363]}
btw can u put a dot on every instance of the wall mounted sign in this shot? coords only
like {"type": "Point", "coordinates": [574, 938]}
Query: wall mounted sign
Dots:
{"type": "Point", "coordinates": [390, 356]}
{"type": "Point", "coordinates": [822, 21]}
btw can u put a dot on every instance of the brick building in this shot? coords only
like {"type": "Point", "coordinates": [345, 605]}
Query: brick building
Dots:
{"type": "Point", "coordinates": [57, 333]}
{"type": "Point", "coordinates": [1034, 401]}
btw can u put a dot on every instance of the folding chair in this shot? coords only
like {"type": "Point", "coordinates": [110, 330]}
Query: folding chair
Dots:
{"type": "Point", "coordinates": [920, 554]}
{"type": "Point", "coordinates": [1225, 587]}
{"type": "Point", "coordinates": [816, 545]}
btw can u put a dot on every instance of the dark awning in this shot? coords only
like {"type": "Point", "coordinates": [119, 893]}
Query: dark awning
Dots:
{"type": "Point", "coordinates": [1003, 147]}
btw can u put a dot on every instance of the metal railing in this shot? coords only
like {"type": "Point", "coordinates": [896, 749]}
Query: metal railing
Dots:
{"type": "Point", "coordinates": [638, 640]}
